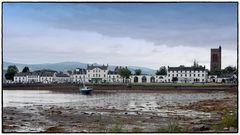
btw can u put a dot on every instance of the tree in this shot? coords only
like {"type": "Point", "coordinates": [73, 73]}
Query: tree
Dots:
{"type": "Point", "coordinates": [216, 72]}
{"type": "Point", "coordinates": [162, 71]}
{"type": "Point", "coordinates": [195, 63]}
{"type": "Point", "coordinates": [174, 79]}
{"type": "Point", "coordinates": [124, 73]}
{"type": "Point", "coordinates": [11, 71]}
{"type": "Point", "coordinates": [138, 72]}
{"type": "Point", "coordinates": [229, 70]}
{"type": "Point", "coordinates": [25, 69]}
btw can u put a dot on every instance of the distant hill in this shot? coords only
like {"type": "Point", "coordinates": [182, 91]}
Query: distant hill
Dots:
{"type": "Point", "coordinates": [69, 66]}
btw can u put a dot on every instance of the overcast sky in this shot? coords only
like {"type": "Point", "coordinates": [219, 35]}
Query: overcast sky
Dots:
{"type": "Point", "coordinates": [137, 34]}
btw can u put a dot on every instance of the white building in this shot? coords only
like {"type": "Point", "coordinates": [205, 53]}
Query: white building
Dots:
{"type": "Point", "coordinates": [61, 78]}
{"type": "Point", "coordinates": [20, 78]}
{"type": "Point", "coordinates": [97, 74]}
{"type": "Point", "coordinates": [114, 77]}
{"type": "Point", "coordinates": [46, 75]}
{"type": "Point", "coordinates": [79, 75]}
{"type": "Point", "coordinates": [33, 77]}
{"type": "Point", "coordinates": [187, 74]}
{"type": "Point", "coordinates": [43, 76]}
{"type": "Point", "coordinates": [148, 78]}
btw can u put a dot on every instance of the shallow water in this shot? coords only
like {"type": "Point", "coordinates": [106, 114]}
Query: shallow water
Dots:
{"type": "Point", "coordinates": [18, 98]}
{"type": "Point", "coordinates": [143, 104]}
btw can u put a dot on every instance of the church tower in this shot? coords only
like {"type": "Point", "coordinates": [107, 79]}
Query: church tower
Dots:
{"type": "Point", "coordinates": [216, 59]}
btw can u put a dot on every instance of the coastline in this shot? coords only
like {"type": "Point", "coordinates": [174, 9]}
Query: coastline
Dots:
{"type": "Point", "coordinates": [123, 87]}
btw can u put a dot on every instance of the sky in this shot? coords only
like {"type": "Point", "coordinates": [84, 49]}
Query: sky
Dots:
{"type": "Point", "coordinates": [137, 34]}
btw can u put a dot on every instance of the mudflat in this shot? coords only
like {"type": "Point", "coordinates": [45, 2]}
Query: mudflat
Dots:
{"type": "Point", "coordinates": [49, 111]}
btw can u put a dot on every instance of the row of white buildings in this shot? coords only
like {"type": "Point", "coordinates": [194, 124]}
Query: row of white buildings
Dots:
{"type": "Point", "coordinates": [102, 74]}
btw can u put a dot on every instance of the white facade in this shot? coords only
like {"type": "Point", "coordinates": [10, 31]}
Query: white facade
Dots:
{"type": "Point", "coordinates": [187, 74]}
{"type": "Point", "coordinates": [114, 78]}
{"type": "Point", "coordinates": [20, 78]}
{"type": "Point", "coordinates": [46, 79]}
{"type": "Point", "coordinates": [33, 78]}
{"type": "Point", "coordinates": [61, 78]}
{"type": "Point", "coordinates": [26, 78]}
{"type": "Point", "coordinates": [78, 78]}
{"type": "Point", "coordinates": [148, 78]}
{"type": "Point", "coordinates": [97, 74]}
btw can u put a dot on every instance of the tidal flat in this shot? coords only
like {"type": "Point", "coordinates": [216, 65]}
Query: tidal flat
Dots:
{"type": "Point", "coordinates": [51, 111]}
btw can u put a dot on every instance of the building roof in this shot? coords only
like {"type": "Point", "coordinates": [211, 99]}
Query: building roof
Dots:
{"type": "Point", "coordinates": [182, 68]}
{"type": "Point", "coordinates": [226, 75]}
{"type": "Point", "coordinates": [21, 74]}
{"type": "Point", "coordinates": [46, 74]}
{"type": "Point", "coordinates": [103, 67]}
{"type": "Point", "coordinates": [61, 75]}
{"type": "Point", "coordinates": [112, 72]}
{"type": "Point", "coordinates": [45, 70]}
{"type": "Point", "coordinates": [79, 71]}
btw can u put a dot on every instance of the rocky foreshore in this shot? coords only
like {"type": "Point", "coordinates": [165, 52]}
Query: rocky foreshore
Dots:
{"type": "Point", "coordinates": [54, 118]}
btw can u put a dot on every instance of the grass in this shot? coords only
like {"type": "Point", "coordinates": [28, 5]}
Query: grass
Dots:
{"type": "Point", "coordinates": [172, 126]}
{"type": "Point", "coordinates": [228, 120]}
{"type": "Point", "coordinates": [102, 127]}
{"type": "Point", "coordinates": [179, 84]}
{"type": "Point", "coordinates": [136, 130]}
{"type": "Point", "coordinates": [116, 128]}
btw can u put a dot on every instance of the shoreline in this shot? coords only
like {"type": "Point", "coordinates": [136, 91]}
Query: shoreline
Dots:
{"type": "Point", "coordinates": [122, 88]}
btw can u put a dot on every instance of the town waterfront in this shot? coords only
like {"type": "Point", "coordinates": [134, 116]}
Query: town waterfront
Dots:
{"type": "Point", "coordinates": [56, 111]}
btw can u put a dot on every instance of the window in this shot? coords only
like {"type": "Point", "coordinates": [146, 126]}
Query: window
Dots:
{"type": "Point", "coordinates": [168, 75]}
{"type": "Point", "coordinates": [198, 75]}
{"type": "Point", "coordinates": [202, 75]}
{"type": "Point", "coordinates": [104, 74]}
{"type": "Point", "coordinates": [93, 75]}
{"type": "Point", "coordinates": [190, 75]}
{"type": "Point", "coordinates": [88, 75]}
{"type": "Point", "coordinates": [202, 80]}
{"type": "Point", "coordinates": [194, 75]}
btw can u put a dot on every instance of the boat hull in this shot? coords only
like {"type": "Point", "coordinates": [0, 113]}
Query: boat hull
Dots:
{"type": "Point", "coordinates": [86, 91]}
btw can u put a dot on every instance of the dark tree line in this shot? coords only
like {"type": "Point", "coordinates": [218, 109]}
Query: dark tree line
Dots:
{"type": "Point", "coordinates": [12, 70]}
{"type": "Point", "coordinates": [162, 71]}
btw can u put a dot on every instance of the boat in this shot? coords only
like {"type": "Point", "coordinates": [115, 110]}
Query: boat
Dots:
{"type": "Point", "coordinates": [85, 90]}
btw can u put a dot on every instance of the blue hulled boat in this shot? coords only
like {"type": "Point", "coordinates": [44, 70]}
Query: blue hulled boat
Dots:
{"type": "Point", "coordinates": [86, 90]}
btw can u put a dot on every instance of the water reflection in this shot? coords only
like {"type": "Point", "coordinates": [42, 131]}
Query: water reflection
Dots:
{"type": "Point", "coordinates": [107, 100]}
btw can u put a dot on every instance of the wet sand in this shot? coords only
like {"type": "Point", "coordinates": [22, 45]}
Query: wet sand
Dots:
{"type": "Point", "coordinates": [193, 116]}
